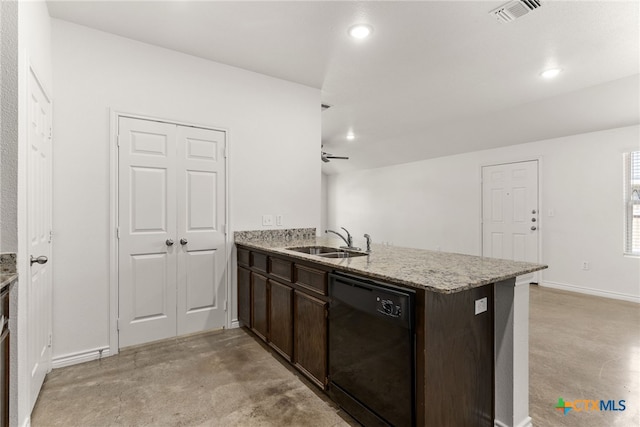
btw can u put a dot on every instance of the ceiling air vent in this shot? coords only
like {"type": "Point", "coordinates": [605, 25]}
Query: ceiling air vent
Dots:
{"type": "Point", "coordinates": [515, 9]}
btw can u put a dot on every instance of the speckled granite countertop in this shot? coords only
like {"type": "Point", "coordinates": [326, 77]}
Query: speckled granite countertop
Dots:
{"type": "Point", "coordinates": [7, 269]}
{"type": "Point", "coordinates": [417, 268]}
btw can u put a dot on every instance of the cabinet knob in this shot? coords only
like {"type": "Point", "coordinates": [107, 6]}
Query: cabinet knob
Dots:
{"type": "Point", "coordinates": [183, 241]}
{"type": "Point", "coordinates": [169, 242]}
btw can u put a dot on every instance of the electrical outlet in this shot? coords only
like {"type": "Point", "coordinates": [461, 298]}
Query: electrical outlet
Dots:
{"type": "Point", "coordinates": [585, 265]}
{"type": "Point", "coordinates": [481, 305]}
{"type": "Point", "coordinates": [267, 220]}
{"type": "Point", "coordinates": [278, 220]}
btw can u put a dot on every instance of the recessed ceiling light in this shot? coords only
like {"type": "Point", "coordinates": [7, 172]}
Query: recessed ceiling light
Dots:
{"type": "Point", "coordinates": [360, 31]}
{"type": "Point", "coordinates": [351, 136]}
{"type": "Point", "coordinates": [551, 73]}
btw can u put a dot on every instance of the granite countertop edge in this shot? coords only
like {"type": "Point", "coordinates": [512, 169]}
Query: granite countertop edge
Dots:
{"type": "Point", "coordinates": [7, 279]}
{"type": "Point", "coordinates": [434, 271]}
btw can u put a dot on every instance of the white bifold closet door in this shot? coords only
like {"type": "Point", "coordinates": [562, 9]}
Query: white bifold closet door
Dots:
{"type": "Point", "coordinates": [171, 228]}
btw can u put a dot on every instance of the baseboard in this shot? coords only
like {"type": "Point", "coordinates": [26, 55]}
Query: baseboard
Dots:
{"type": "Point", "coordinates": [590, 291]}
{"type": "Point", "coordinates": [80, 357]}
{"type": "Point", "coordinates": [527, 422]}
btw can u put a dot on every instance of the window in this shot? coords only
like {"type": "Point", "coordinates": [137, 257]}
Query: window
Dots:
{"type": "Point", "coordinates": [632, 203]}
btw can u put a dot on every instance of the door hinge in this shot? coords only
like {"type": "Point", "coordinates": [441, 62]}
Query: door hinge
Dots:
{"type": "Point", "coordinates": [224, 227]}
{"type": "Point", "coordinates": [118, 140]}
{"type": "Point", "coordinates": [117, 232]}
{"type": "Point", "coordinates": [225, 151]}
{"type": "Point", "coordinates": [50, 235]}
{"type": "Point", "coordinates": [118, 325]}
{"type": "Point", "coordinates": [50, 341]}
{"type": "Point", "coordinates": [50, 132]}
{"type": "Point", "coordinates": [225, 305]}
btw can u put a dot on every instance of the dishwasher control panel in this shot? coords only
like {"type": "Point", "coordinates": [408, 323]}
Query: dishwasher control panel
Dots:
{"type": "Point", "coordinates": [388, 307]}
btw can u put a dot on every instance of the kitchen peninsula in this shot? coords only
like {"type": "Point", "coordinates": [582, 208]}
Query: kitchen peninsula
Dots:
{"type": "Point", "coordinates": [471, 320]}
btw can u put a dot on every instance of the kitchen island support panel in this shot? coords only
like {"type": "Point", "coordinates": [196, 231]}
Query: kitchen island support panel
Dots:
{"type": "Point", "coordinates": [512, 354]}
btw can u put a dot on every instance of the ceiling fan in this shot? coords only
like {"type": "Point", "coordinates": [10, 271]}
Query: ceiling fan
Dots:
{"type": "Point", "coordinates": [327, 157]}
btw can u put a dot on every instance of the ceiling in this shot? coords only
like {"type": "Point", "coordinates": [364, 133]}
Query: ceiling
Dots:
{"type": "Point", "coordinates": [435, 78]}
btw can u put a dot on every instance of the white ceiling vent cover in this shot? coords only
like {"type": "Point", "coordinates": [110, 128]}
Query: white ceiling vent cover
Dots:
{"type": "Point", "coordinates": [515, 9]}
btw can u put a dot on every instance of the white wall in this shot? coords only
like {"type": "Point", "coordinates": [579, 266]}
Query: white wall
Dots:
{"type": "Point", "coordinates": [9, 127]}
{"type": "Point", "coordinates": [274, 140]}
{"type": "Point", "coordinates": [436, 203]}
{"type": "Point", "coordinates": [34, 49]}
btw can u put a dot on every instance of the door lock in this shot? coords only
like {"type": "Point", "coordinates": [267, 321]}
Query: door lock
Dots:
{"type": "Point", "coordinates": [534, 228]}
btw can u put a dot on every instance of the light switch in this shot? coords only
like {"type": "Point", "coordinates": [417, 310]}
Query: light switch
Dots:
{"type": "Point", "coordinates": [278, 220]}
{"type": "Point", "coordinates": [267, 220]}
{"type": "Point", "coordinates": [481, 305]}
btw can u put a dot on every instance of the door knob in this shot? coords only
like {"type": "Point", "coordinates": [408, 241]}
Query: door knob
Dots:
{"type": "Point", "coordinates": [534, 228]}
{"type": "Point", "coordinates": [169, 242]}
{"type": "Point", "coordinates": [40, 260]}
{"type": "Point", "coordinates": [183, 241]}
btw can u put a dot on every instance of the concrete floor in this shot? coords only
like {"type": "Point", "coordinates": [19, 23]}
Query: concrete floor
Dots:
{"type": "Point", "coordinates": [581, 347]}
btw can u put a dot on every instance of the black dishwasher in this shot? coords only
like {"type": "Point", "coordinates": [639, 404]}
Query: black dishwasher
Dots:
{"type": "Point", "coordinates": [372, 350]}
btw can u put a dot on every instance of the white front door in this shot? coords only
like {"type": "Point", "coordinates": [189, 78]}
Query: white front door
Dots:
{"type": "Point", "coordinates": [39, 282]}
{"type": "Point", "coordinates": [510, 211]}
{"type": "Point", "coordinates": [171, 225]}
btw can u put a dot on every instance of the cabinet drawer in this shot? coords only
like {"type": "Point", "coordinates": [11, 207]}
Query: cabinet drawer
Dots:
{"type": "Point", "coordinates": [312, 279]}
{"type": "Point", "coordinates": [259, 261]}
{"type": "Point", "coordinates": [280, 268]}
{"type": "Point", "coordinates": [243, 257]}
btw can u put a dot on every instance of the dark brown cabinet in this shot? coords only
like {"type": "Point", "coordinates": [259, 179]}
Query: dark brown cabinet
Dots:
{"type": "Point", "coordinates": [259, 305]}
{"type": "Point", "coordinates": [281, 318]}
{"type": "Point", "coordinates": [284, 302]}
{"type": "Point", "coordinates": [244, 296]}
{"type": "Point", "coordinates": [310, 336]}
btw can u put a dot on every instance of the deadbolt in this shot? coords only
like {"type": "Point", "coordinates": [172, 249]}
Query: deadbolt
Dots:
{"type": "Point", "coordinates": [534, 228]}
{"type": "Point", "coordinates": [533, 220]}
{"type": "Point", "coordinates": [534, 211]}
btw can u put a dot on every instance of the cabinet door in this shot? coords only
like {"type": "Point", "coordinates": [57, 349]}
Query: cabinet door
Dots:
{"type": "Point", "coordinates": [259, 305]}
{"type": "Point", "coordinates": [310, 337]}
{"type": "Point", "coordinates": [244, 296]}
{"type": "Point", "coordinates": [281, 318]}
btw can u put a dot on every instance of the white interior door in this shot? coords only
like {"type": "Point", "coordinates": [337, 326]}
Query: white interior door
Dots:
{"type": "Point", "coordinates": [39, 286]}
{"type": "Point", "coordinates": [172, 262]}
{"type": "Point", "coordinates": [510, 211]}
{"type": "Point", "coordinates": [201, 229]}
{"type": "Point", "coordinates": [146, 228]}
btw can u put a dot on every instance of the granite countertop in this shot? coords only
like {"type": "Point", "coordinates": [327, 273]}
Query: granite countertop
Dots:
{"type": "Point", "coordinates": [7, 269]}
{"type": "Point", "coordinates": [417, 268]}
{"type": "Point", "coordinates": [7, 279]}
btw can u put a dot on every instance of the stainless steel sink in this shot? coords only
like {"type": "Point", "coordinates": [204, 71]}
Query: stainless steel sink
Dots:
{"type": "Point", "coordinates": [314, 250]}
{"type": "Point", "coordinates": [327, 252]}
{"type": "Point", "coordinates": [342, 254]}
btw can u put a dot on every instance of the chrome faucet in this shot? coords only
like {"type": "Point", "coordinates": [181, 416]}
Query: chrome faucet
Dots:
{"type": "Point", "coordinates": [348, 240]}
{"type": "Point", "coordinates": [366, 236]}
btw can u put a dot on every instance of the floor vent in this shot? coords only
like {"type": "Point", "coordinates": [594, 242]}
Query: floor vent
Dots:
{"type": "Point", "coordinates": [515, 9]}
